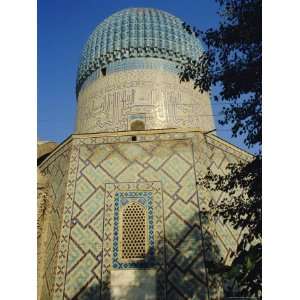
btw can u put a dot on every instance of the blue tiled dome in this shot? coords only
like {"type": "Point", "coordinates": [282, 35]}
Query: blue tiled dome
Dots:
{"type": "Point", "coordinates": [136, 32]}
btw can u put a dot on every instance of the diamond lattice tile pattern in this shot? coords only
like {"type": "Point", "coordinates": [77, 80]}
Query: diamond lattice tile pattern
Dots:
{"type": "Point", "coordinates": [169, 162]}
{"type": "Point", "coordinates": [175, 161]}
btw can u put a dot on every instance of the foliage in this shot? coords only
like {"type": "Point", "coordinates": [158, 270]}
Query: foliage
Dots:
{"type": "Point", "coordinates": [242, 209]}
{"type": "Point", "coordinates": [232, 62]}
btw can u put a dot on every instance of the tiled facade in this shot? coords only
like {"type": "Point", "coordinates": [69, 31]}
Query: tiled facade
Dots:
{"type": "Point", "coordinates": [166, 165]}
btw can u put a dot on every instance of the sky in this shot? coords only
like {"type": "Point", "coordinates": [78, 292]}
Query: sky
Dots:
{"type": "Point", "coordinates": [64, 27]}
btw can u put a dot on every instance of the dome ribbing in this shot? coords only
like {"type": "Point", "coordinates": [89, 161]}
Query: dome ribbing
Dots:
{"type": "Point", "coordinates": [136, 32]}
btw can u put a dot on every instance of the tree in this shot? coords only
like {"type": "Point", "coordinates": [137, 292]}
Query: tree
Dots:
{"type": "Point", "coordinates": [232, 61]}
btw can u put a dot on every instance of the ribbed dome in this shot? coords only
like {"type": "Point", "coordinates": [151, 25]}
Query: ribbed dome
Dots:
{"type": "Point", "coordinates": [136, 32]}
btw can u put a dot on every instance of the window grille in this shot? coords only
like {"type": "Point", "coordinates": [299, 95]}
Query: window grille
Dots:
{"type": "Point", "coordinates": [134, 238]}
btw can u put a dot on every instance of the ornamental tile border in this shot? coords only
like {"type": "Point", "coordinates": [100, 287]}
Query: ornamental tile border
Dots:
{"type": "Point", "coordinates": [122, 199]}
{"type": "Point", "coordinates": [140, 138]}
{"type": "Point", "coordinates": [66, 225]}
{"type": "Point", "coordinates": [128, 64]}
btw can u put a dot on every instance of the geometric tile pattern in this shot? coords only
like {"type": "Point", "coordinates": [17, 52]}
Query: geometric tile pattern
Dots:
{"type": "Point", "coordinates": [165, 164]}
{"type": "Point", "coordinates": [56, 169]}
{"type": "Point", "coordinates": [225, 237]}
{"type": "Point", "coordinates": [220, 239]}
{"type": "Point", "coordinates": [83, 252]}
{"type": "Point", "coordinates": [66, 224]}
{"type": "Point", "coordinates": [103, 163]}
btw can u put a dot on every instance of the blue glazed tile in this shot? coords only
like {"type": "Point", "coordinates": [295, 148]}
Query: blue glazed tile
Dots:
{"type": "Point", "coordinates": [147, 29]}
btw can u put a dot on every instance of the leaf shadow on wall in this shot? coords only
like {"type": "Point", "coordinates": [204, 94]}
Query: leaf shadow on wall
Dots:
{"type": "Point", "coordinates": [208, 285]}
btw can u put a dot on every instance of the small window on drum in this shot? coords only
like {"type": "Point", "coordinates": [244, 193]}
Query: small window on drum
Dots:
{"type": "Point", "coordinates": [103, 71]}
{"type": "Point", "coordinates": [134, 237]}
{"type": "Point", "coordinates": [137, 125]}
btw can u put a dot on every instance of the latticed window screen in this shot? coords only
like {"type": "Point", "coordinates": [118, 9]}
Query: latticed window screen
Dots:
{"type": "Point", "coordinates": [134, 240]}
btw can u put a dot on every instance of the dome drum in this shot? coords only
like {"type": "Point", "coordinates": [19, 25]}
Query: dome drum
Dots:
{"type": "Point", "coordinates": [129, 68]}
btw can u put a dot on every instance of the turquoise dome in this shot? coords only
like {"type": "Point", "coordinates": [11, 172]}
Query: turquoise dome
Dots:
{"type": "Point", "coordinates": [136, 32]}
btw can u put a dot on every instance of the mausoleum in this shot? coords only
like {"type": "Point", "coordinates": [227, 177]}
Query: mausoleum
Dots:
{"type": "Point", "coordinates": [121, 214]}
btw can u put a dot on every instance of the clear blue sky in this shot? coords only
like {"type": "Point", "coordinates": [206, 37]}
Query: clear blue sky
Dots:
{"type": "Point", "coordinates": [63, 28]}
